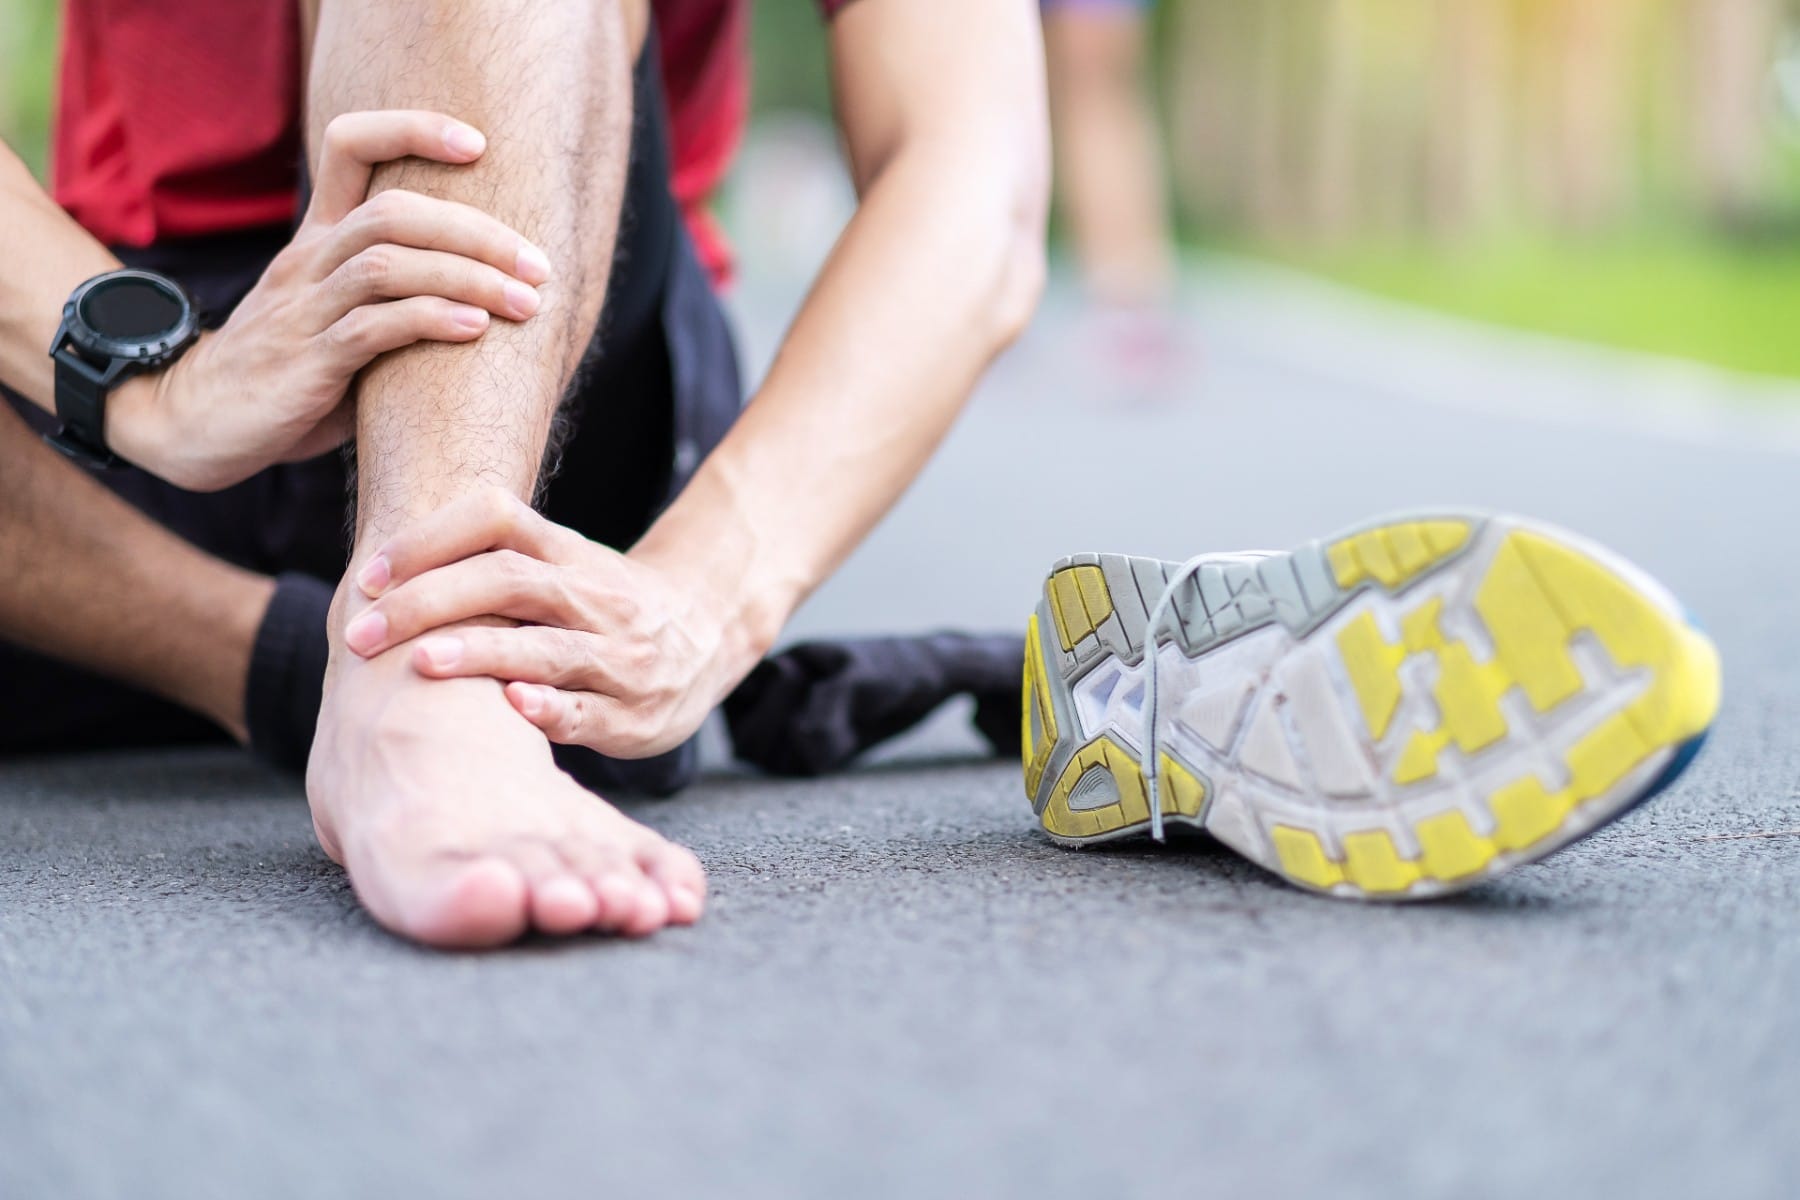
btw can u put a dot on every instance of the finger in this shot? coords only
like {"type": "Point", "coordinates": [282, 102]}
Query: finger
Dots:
{"type": "Point", "coordinates": [501, 583]}
{"type": "Point", "coordinates": [489, 518]}
{"type": "Point", "coordinates": [402, 218]}
{"type": "Point", "coordinates": [354, 144]}
{"type": "Point", "coordinates": [528, 653]}
{"type": "Point", "coordinates": [355, 338]}
{"type": "Point", "coordinates": [389, 272]}
{"type": "Point", "coordinates": [597, 720]}
{"type": "Point", "coordinates": [565, 717]}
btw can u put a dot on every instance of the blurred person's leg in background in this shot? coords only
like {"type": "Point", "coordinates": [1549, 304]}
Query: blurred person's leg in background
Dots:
{"type": "Point", "coordinates": [1731, 44]}
{"type": "Point", "coordinates": [1109, 172]}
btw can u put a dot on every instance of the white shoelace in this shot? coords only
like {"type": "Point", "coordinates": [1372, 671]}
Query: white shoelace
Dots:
{"type": "Point", "coordinates": [1159, 616]}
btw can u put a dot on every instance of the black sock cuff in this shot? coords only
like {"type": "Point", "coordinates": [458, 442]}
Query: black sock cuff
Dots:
{"type": "Point", "coordinates": [287, 672]}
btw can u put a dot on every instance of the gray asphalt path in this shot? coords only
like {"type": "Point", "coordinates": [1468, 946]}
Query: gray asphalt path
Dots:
{"type": "Point", "coordinates": [900, 989]}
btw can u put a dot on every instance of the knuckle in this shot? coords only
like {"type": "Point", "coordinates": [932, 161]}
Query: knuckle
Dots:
{"type": "Point", "coordinates": [562, 596]}
{"type": "Point", "coordinates": [499, 505]}
{"type": "Point", "coordinates": [286, 264]}
{"type": "Point", "coordinates": [383, 213]}
{"type": "Point", "coordinates": [626, 607]}
{"type": "Point", "coordinates": [373, 268]}
{"type": "Point", "coordinates": [436, 280]}
{"type": "Point", "coordinates": [574, 652]}
{"type": "Point", "coordinates": [642, 657]}
{"type": "Point", "coordinates": [574, 715]}
{"type": "Point", "coordinates": [351, 332]}
{"type": "Point", "coordinates": [337, 132]}
{"type": "Point", "coordinates": [521, 581]}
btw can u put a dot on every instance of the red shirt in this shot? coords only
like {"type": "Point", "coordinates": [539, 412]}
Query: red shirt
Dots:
{"type": "Point", "coordinates": [177, 119]}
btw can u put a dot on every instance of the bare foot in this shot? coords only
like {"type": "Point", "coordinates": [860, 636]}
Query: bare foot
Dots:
{"type": "Point", "coordinates": [458, 829]}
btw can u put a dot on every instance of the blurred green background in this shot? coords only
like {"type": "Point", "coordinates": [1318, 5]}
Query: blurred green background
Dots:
{"type": "Point", "coordinates": [1625, 171]}
{"type": "Point", "coordinates": [1621, 170]}
{"type": "Point", "coordinates": [27, 75]}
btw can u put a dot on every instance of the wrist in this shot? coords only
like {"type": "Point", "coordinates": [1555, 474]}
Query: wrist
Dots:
{"type": "Point", "coordinates": [136, 424]}
{"type": "Point", "coordinates": [724, 610]}
{"type": "Point", "coordinates": [719, 558]}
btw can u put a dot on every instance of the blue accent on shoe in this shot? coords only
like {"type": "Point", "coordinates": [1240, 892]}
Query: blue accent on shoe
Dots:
{"type": "Point", "coordinates": [1684, 755]}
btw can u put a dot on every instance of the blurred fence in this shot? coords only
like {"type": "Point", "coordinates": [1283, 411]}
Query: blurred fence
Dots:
{"type": "Point", "coordinates": [1326, 119]}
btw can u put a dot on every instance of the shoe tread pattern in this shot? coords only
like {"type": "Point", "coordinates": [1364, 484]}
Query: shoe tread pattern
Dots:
{"type": "Point", "coordinates": [1515, 687]}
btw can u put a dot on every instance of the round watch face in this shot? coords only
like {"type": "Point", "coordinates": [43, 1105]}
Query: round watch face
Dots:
{"type": "Point", "coordinates": [130, 318]}
{"type": "Point", "coordinates": [131, 309]}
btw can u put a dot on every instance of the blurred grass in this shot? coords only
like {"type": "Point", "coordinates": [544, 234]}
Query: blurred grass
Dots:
{"type": "Point", "coordinates": [28, 31]}
{"type": "Point", "coordinates": [1681, 295]}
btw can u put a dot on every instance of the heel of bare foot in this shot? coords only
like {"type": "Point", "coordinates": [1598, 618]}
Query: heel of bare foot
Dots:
{"type": "Point", "coordinates": [458, 829]}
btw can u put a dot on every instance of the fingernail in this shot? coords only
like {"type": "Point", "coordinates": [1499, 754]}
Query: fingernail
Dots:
{"type": "Point", "coordinates": [531, 701]}
{"type": "Point", "coordinates": [533, 265]}
{"type": "Point", "coordinates": [521, 299]}
{"type": "Point", "coordinates": [471, 318]}
{"type": "Point", "coordinates": [374, 576]}
{"type": "Point", "coordinates": [441, 652]}
{"type": "Point", "coordinates": [366, 632]}
{"type": "Point", "coordinates": [464, 140]}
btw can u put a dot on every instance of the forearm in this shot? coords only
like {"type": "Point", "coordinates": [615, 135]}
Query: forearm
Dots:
{"type": "Point", "coordinates": [938, 271]}
{"type": "Point", "coordinates": [46, 255]}
{"type": "Point", "coordinates": [92, 581]}
{"type": "Point", "coordinates": [435, 421]}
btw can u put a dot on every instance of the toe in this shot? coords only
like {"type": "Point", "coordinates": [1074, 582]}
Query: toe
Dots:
{"type": "Point", "coordinates": [466, 904]}
{"type": "Point", "coordinates": [617, 892]}
{"type": "Point", "coordinates": [327, 841]}
{"type": "Point", "coordinates": [606, 853]}
{"type": "Point", "coordinates": [563, 904]}
{"type": "Point", "coordinates": [561, 901]}
{"type": "Point", "coordinates": [652, 911]}
{"type": "Point", "coordinates": [680, 877]}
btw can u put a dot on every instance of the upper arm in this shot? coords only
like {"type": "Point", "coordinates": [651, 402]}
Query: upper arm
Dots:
{"type": "Point", "coordinates": [966, 74]}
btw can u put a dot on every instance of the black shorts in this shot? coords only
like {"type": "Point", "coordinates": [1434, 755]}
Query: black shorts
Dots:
{"type": "Point", "coordinates": [658, 390]}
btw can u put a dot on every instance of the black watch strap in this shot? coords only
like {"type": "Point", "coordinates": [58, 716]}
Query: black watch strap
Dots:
{"type": "Point", "coordinates": [81, 391]}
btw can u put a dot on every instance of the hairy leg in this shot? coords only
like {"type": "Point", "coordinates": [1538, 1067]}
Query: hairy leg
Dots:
{"type": "Point", "coordinates": [442, 802]}
{"type": "Point", "coordinates": [94, 582]}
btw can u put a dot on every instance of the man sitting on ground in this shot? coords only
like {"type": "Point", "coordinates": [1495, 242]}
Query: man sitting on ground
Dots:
{"type": "Point", "coordinates": [501, 266]}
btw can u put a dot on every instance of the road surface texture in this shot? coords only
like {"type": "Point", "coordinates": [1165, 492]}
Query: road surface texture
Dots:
{"type": "Point", "coordinates": [902, 989]}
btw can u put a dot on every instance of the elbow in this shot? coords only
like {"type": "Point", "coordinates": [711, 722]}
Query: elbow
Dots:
{"type": "Point", "coordinates": [1024, 265]}
{"type": "Point", "coordinates": [1020, 287]}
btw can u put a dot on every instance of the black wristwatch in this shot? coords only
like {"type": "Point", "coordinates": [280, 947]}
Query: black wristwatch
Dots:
{"type": "Point", "coordinates": [114, 326]}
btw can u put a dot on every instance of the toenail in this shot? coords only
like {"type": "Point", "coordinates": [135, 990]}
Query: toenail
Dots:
{"type": "Point", "coordinates": [441, 653]}
{"type": "Point", "coordinates": [374, 576]}
{"type": "Point", "coordinates": [366, 632]}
